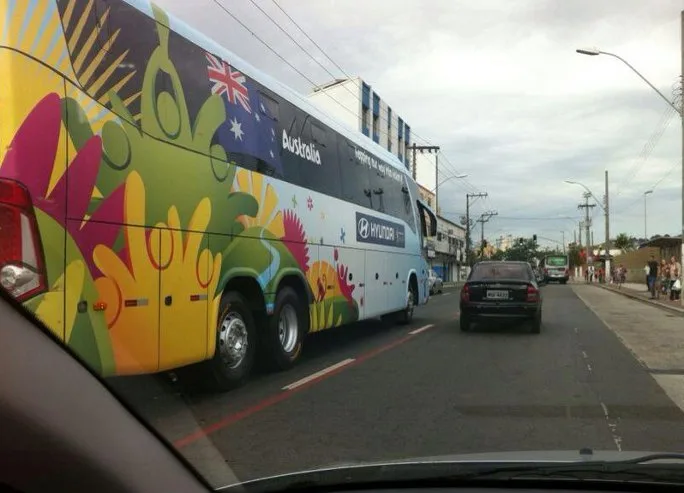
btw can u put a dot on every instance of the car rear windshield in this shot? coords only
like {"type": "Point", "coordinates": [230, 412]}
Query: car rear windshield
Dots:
{"type": "Point", "coordinates": [500, 271]}
{"type": "Point", "coordinates": [557, 261]}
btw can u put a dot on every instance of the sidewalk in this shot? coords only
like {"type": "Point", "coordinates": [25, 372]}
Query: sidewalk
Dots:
{"type": "Point", "coordinates": [640, 292]}
{"type": "Point", "coordinates": [653, 335]}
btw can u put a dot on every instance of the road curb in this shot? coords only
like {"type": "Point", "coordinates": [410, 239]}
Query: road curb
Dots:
{"type": "Point", "coordinates": [672, 309]}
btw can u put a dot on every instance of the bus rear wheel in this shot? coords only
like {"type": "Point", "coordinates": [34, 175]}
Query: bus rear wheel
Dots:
{"type": "Point", "coordinates": [235, 343]}
{"type": "Point", "coordinates": [405, 316]}
{"type": "Point", "coordinates": [284, 334]}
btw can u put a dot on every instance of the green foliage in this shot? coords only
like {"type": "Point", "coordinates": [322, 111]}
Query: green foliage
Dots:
{"type": "Point", "coordinates": [623, 242]}
{"type": "Point", "coordinates": [524, 249]}
{"type": "Point", "coordinates": [574, 254]}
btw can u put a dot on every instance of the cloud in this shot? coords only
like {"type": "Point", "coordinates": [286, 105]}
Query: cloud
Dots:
{"type": "Point", "coordinates": [498, 85]}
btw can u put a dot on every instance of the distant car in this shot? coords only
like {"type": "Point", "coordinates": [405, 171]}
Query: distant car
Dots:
{"type": "Point", "coordinates": [501, 290]}
{"type": "Point", "coordinates": [436, 282]}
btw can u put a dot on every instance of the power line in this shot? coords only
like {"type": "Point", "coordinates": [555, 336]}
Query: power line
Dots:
{"type": "Point", "coordinates": [310, 39]}
{"type": "Point", "coordinates": [647, 148]}
{"type": "Point", "coordinates": [636, 201]}
{"type": "Point", "coordinates": [468, 186]}
{"type": "Point", "coordinates": [226, 10]}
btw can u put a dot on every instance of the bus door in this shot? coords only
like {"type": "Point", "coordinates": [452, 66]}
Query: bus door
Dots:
{"type": "Point", "coordinates": [428, 229]}
{"type": "Point", "coordinates": [377, 283]}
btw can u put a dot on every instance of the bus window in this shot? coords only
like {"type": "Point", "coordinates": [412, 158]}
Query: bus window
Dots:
{"type": "Point", "coordinates": [379, 184]}
{"type": "Point", "coordinates": [318, 162]}
{"type": "Point", "coordinates": [356, 185]}
{"type": "Point", "coordinates": [269, 107]}
{"type": "Point", "coordinates": [397, 198]}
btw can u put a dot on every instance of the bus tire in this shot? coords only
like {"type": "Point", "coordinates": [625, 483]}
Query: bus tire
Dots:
{"type": "Point", "coordinates": [236, 339]}
{"type": "Point", "coordinates": [284, 334]}
{"type": "Point", "coordinates": [405, 316]}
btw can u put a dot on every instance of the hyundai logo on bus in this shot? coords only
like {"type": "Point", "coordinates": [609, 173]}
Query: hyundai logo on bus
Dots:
{"type": "Point", "coordinates": [371, 229]}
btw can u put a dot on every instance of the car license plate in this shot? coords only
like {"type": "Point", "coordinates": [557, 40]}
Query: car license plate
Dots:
{"type": "Point", "coordinates": [496, 294]}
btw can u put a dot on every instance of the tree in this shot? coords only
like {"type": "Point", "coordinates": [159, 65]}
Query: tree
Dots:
{"type": "Point", "coordinates": [522, 250]}
{"type": "Point", "coordinates": [498, 255]}
{"type": "Point", "coordinates": [623, 242]}
{"type": "Point", "coordinates": [574, 254]}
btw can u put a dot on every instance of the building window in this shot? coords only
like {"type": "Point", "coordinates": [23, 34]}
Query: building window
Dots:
{"type": "Point", "coordinates": [365, 123]}
{"type": "Point", "coordinates": [365, 95]}
{"type": "Point", "coordinates": [389, 129]}
{"type": "Point", "coordinates": [376, 127]}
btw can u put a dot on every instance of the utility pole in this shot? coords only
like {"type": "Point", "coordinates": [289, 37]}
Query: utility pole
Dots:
{"type": "Point", "coordinates": [437, 182]}
{"type": "Point", "coordinates": [606, 212]}
{"type": "Point", "coordinates": [581, 223]}
{"type": "Point", "coordinates": [587, 222]}
{"type": "Point", "coordinates": [681, 113]}
{"type": "Point", "coordinates": [563, 232]}
{"type": "Point", "coordinates": [467, 223]}
{"type": "Point", "coordinates": [423, 149]}
{"type": "Point", "coordinates": [485, 217]}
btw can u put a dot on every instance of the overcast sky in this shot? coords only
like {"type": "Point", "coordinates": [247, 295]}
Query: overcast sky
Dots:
{"type": "Point", "coordinates": [498, 85]}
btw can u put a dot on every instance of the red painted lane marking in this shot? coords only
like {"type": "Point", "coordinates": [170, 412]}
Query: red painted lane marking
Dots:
{"type": "Point", "coordinates": [281, 396]}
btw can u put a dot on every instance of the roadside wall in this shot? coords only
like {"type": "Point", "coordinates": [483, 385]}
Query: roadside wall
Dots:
{"type": "Point", "coordinates": [635, 262]}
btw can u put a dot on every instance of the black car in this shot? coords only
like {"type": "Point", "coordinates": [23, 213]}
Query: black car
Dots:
{"type": "Point", "coordinates": [501, 290]}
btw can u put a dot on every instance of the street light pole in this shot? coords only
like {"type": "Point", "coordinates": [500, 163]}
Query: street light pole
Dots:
{"type": "Point", "coordinates": [596, 51]}
{"type": "Point", "coordinates": [646, 193]}
{"type": "Point", "coordinates": [680, 112]}
{"type": "Point", "coordinates": [606, 210]}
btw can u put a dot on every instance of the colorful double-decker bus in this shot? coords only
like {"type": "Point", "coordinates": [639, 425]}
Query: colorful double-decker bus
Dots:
{"type": "Point", "coordinates": [164, 204]}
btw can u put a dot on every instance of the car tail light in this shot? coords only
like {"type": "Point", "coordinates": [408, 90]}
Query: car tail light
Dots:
{"type": "Point", "coordinates": [532, 293]}
{"type": "Point", "coordinates": [22, 271]}
{"type": "Point", "coordinates": [465, 293]}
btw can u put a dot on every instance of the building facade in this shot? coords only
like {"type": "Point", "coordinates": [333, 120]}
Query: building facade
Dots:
{"type": "Point", "coordinates": [449, 261]}
{"type": "Point", "coordinates": [446, 251]}
{"type": "Point", "coordinates": [354, 103]}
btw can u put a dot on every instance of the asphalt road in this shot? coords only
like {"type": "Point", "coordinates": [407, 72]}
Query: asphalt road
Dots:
{"type": "Point", "coordinates": [425, 390]}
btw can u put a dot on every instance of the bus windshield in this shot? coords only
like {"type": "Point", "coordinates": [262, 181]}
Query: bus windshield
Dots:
{"type": "Point", "coordinates": [559, 261]}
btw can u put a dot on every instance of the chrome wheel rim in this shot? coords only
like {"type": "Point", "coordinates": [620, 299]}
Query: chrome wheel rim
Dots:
{"type": "Point", "coordinates": [233, 340]}
{"type": "Point", "coordinates": [288, 328]}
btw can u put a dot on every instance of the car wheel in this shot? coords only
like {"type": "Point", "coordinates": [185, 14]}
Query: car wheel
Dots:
{"type": "Point", "coordinates": [536, 324]}
{"type": "Point", "coordinates": [236, 340]}
{"type": "Point", "coordinates": [465, 323]}
{"type": "Point", "coordinates": [283, 337]}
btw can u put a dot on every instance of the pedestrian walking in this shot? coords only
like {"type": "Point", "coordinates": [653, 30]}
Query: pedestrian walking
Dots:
{"type": "Point", "coordinates": [652, 275]}
{"type": "Point", "coordinates": [622, 275]}
{"type": "Point", "coordinates": [646, 269]}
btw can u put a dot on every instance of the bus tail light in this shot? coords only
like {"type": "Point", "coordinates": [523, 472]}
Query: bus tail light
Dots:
{"type": "Point", "coordinates": [22, 271]}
